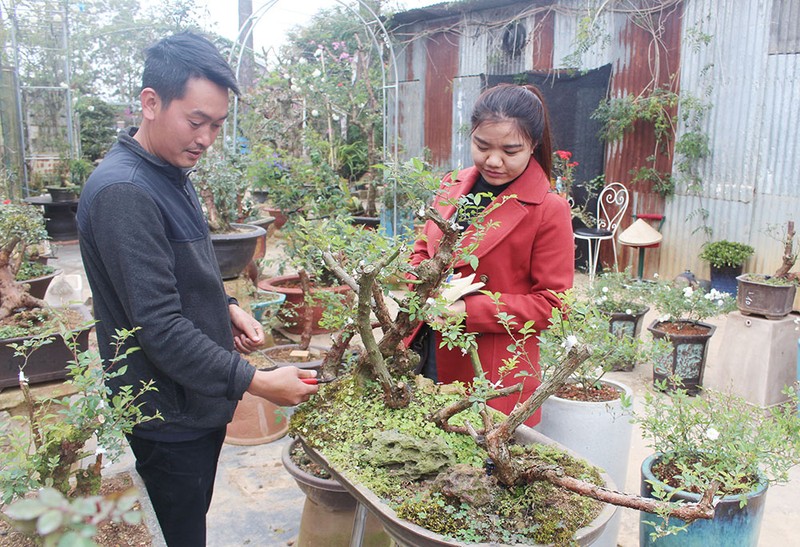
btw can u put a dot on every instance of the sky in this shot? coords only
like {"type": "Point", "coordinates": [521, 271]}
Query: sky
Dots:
{"type": "Point", "coordinates": [281, 16]}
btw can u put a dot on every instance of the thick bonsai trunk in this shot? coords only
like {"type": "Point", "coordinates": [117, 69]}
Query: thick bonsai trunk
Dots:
{"type": "Point", "coordinates": [789, 254]}
{"type": "Point", "coordinates": [13, 296]}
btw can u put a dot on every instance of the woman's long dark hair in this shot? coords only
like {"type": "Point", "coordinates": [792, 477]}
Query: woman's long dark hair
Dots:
{"type": "Point", "coordinates": [524, 105]}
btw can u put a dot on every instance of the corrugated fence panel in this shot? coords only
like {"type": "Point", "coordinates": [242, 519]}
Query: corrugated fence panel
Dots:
{"type": "Point", "coordinates": [750, 180]}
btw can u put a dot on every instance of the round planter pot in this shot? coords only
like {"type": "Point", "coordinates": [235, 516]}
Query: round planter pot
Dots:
{"type": "Point", "coordinates": [762, 298]}
{"type": "Point", "coordinates": [627, 325]}
{"type": "Point", "coordinates": [327, 493]}
{"type": "Point", "coordinates": [272, 355]}
{"type": "Point", "coordinates": [261, 245]}
{"type": "Point", "coordinates": [724, 279]}
{"type": "Point", "coordinates": [62, 193]}
{"type": "Point", "coordinates": [688, 357]}
{"type": "Point", "coordinates": [600, 432]}
{"type": "Point", "coordinates": [408, 534]}
{"type": "Point", "coordinates": [732, 526]}
{"type": "Point", "coordinates": [367, 222]}
{"type": "Point", "coordinates": [234, 251]}
{"type": "Point", "coordinates": [295, 302]}
{"type": "Point", "coordinates": [39, 285]}
{"type": "Point", "coordinates": [260, 196]}
{"type": "Point", "coordinates": [256, 421]}
{"type": "Point", "coordinates": [280, 217]}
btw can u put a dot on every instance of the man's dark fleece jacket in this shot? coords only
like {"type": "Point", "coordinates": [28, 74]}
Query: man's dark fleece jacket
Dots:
{"type": "Point", "coordinates": [150, 263]}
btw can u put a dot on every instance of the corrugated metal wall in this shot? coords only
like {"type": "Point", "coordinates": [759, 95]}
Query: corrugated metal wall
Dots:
{"type": "Point", "coordinates": [750, 179]}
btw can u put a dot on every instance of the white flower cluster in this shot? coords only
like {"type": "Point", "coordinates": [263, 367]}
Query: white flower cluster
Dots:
{"type": "Point", "coordinates": [714, 294]}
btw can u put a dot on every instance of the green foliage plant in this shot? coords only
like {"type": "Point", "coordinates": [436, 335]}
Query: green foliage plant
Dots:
{"type": "Point", "coordinates": [684, 305]}
{"type": "Point", "coordinates": [222, 182]}
{"type": "Point", "coordinates": [584, 321]}
{"type": "Point", "coordinates": [55, 432]}
{"type": "Point", "coordinates": [718, 441]}
{"type": "Point", "coordinates": [724, 253]}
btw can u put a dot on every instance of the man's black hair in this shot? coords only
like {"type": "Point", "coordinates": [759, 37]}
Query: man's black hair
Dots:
{"type": "Point", "coordinates": [172, 61]}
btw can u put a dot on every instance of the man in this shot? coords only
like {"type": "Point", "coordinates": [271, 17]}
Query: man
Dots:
{"type": "Point", "coordinates": [148, 257]}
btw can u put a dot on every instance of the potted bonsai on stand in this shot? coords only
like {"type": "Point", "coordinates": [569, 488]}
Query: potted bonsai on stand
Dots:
{"type": "Point", "coordinates": [771, 295]}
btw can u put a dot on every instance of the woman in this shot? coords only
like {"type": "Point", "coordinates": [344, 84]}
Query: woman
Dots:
{"type": "Point", "coordinates": [530, 251]}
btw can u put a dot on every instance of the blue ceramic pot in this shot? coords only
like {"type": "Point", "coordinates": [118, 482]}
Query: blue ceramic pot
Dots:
{"type": "Point", "coordinates": [267, 302]}
{"type": "Point", "coordinates": [732, 526]}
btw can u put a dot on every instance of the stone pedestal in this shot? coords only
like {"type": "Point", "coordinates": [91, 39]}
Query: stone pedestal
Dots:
{"type": "Point", "coordinates": [757, 357]}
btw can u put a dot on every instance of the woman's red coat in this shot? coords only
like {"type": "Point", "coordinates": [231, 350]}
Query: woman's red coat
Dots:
{"type": "Point", "coordinates": [528, 254]}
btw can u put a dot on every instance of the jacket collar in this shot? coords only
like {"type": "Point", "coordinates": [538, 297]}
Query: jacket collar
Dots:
{"type": "Point", "coordinates": [176, 174]}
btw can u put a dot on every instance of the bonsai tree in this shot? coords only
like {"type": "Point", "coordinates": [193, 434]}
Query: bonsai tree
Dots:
{"type": "Point", "coordinates": [383, 368]}
{"type": "Point", "coordinates": [222, 183]}
{"type": "Point", "coordinates": [21, 226]}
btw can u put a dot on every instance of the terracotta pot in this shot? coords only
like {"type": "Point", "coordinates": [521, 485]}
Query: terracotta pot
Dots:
{"type": "Point", "coordinates": [731, 526]}
{"type": "Point", "coordinates": [46, 363]}
{"type": "Point", "coordinates": [234, 251]}
{"type": "Point", "coordinates": [771, 301]}
{"type": "Point", "coordinates": [295, 303]}
{"type": "Point", "coordinates": [280, 217]}
{"type": "Point", "coordinates": [256, 421]}
{"type": "Point", "coordinates": [688, 357]}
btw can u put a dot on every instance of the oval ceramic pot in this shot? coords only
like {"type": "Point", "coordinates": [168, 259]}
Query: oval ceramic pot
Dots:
{"type": "Point", "coordinates": [256, 421]}
{"type": "Point", "coordinates": [732, 526]}
{"type": "Point", "coordinates": [724, 279]}
{"type": "Point", "coordinates": [314, 362]}
{"type": "Point", "coordinates": [408, 534]}
{"type": "Point", "coordinates": [628, 325]}
{"type": "Point", "coordinates": [47, 363]}
{"type": "Point", "coordinates": [771, 301]}
{"type": "Point", "coordinates": [295, 302]}
{"type": "Point", "coordinates": [687, 359]}
{"type": "Point", "coordinates": [366, 222]}
{"type": "Point", "coordinates": [39, 285]}
{"type": "Point", "coordinates": [600, 432]}
{"type": "Point", "coordinates": [234, 251]}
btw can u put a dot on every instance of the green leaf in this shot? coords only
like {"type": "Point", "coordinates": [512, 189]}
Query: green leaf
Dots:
{"type": "Point", "coordinates": [49, 522]}
{"type": "Point", "coordinates": [26, 509]}
{"type": "Point", "coordinates": [132, 517]}
{"type": "Point", "coordinates": [53, 498]}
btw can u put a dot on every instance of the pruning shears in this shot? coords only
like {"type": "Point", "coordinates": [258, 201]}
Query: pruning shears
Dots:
{"type": "Point", "coordinates": [315, 381]}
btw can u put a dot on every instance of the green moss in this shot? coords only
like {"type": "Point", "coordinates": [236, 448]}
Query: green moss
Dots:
{"type": "Point", "coordinates": [347, 418]}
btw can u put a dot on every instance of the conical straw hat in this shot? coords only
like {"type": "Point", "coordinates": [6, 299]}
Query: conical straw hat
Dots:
{"type": "Point", "coordinates": [640, 234]}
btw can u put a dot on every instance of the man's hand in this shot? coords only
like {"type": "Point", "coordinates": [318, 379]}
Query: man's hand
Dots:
{"type": "Point", "coordinates": [248, 335]}
{"type": "Point", "coordinates": [283, 385]}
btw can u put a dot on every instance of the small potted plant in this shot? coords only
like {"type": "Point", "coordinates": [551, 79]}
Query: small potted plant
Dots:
{"type": "Point", "coordinates": [682, 309]}
{"type": "Point", "coordinates": [714, 445]}
{"type": "Point", "coordinates": [222, 182]}
{"type": "Point", "coordinates": [51, 472]}
{"type": "Point", "coordinates": [771, 295]}
{"type": "Point", "coordinates": [726, 259]}
{"type": "Point", "coordinates": [623, 299]}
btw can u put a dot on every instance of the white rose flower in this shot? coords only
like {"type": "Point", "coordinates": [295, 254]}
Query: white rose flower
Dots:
{"type": "Point", "coordinates": [99, 450]}
{"type": "Point", "coordinates": [315, 113]}
{"type": "Point", "coordinates": [629, 311]}
{"type": "Point", "coordinates": [605, 289]}
{"type": "Point", "coordinates": [22, 378]}
{"type": "Point", "coordinates": [655, 275]}
{"type": "Point", "coordinates": [317, 73]}
{"type": "Point", "coordinates": [687, 292]}
{"type": "Point", "coordinates": [302, 61]}
{"type": "Point", "coordinates": [569, 341]}
{"type": "Point", "coordinates": [712, 434]}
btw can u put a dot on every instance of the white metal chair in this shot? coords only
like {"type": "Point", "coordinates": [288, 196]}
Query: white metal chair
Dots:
{"type": "Point", "coordinates": [611, 205]}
